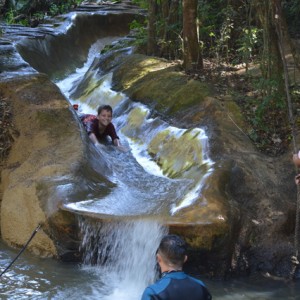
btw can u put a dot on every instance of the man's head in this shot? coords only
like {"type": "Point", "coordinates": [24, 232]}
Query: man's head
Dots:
{"type": "Point", "coordinates": [172, 252]}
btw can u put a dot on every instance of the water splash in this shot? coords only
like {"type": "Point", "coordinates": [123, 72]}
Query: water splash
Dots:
{"type": "Point", "coordinates": [123, 255]}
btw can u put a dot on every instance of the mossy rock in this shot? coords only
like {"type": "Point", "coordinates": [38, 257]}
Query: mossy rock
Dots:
{"type": "Point", "coordinates": [159, 83]}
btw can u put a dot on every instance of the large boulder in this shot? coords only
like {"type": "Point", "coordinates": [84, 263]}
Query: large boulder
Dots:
{"type": "Point", "coordinates": [48, 165]}
{"type": "Point", "coordinates": [252, 196]}
{"type": "Point", "coordinates": [50, 161]}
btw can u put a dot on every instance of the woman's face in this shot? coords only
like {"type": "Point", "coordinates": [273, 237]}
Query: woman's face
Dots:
{"type": "Point", "coordinates": [104, 117]}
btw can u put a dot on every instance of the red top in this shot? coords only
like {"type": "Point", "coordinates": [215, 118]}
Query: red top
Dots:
{"type": "Point", "coordinates": [91, 125]}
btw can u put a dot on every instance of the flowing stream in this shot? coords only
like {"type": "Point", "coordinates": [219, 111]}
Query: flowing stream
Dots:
{"type": "Point", "coordinates": [119, 256]}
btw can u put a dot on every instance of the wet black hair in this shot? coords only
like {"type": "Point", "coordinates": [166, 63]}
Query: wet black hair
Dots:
{"type": "Point", "coordinates": [173, 248]}
{"type": "Point", "coordinates": [104, 107]}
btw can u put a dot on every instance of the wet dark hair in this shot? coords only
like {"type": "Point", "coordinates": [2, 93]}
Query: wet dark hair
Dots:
{"type": "Point", "coordinates": [173, 248]}
{"type": "Point", "coordinates": [104, 107]}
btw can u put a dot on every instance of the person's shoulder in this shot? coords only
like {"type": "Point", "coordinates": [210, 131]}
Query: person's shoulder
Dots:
{"type": "Point", "coordinates": [204, 288]}
{"type": "Point", "coordinates": [183, 275]}
{"type": "Point", "coordinates": [110, 126]}
{"type": "Point", "coordinates": [159, 286]}
{"type": "Point", "coordinates": [196, 280]}
{"type": "Point", "coordinates": [111, 130]}
{"type": "Point", "coordinates": [148, 293]}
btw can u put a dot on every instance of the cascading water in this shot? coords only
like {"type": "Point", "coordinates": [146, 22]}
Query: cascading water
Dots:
{"type": "Point", "coordinates": [123, 255]}
{"type": "Point", "coordinates": [144, 187]}
{"type": "Point", "coordinates": [119, 250]}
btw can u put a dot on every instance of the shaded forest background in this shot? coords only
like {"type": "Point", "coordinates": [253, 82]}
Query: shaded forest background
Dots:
{"type": "Point", "coordinates": [247, 49]}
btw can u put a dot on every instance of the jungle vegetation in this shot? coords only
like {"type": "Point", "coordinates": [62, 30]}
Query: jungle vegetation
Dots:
{"type": "Point", "coordinates": [215, 39]}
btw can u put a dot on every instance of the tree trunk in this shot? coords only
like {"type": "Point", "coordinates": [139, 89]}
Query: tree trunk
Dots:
{"type": "Point", "coordinates": [272, 68]}
{"type": "Point", "coordinates": [283, 33]}
{"type": "Point", "coordinates": [152, 42]}
{"type": "Point", "coordinates": [165, 13]}
{"type": "Point", "coordinates": [192, 58]}
{"type": "Point", "coordinates": [170, 37]}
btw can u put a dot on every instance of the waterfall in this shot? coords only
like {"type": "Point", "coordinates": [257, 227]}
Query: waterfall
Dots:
{"type": "Point", "coordinates": [163, 172]}
{"type": "Point", "coordinates": [123, 255]}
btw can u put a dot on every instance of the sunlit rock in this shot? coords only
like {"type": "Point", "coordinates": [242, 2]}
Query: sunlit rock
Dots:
{"type": "Point", "coordinates": [46, 166]}
{"type": "Point", "coordinates": [178, 153]}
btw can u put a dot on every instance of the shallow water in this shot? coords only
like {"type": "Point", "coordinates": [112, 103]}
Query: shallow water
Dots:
{"type": "Point", "coordinates": [36, 278]}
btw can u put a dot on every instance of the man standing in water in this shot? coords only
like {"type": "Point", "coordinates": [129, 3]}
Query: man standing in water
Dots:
{"type": "Point", "coordinates": [174, 283]}
{"type": "Point", "coordinates": [100, 126]}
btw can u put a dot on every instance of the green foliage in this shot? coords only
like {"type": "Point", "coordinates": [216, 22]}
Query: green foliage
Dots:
{"type": "Point", "coordinates": [10, 16]}
{"type": "Point", "coordinates": [263, 112]}
{"type": "Point", "coordinates": [171, 42]}
{"type": "Point", "coordinates": [211, 18]}
{"type": "Point", "coordinates": [271, 97]}
{"type": "Point", "coordinates": [141, 3]}
{"type": "Point", "coordinates": [211, 13]}
{"type": "Point", "coordinates": [226, 31]}
{"type": "Point", "coordinates": [247, 43]}
{"type": "Point", "coordinates": [62, 7]}
{"type": "Point", "coordinates": [225, 35]}
{"type": "Point", "coordinates": [292, 12]}
{"type": "Point", "coordinates": [269, 127]}
{"type": "Point", "coordinates": [54, 10]}
{"type": "Point", "coordinates": [39, 16]}
{"type": "Point", "coordinates": [140, 32]}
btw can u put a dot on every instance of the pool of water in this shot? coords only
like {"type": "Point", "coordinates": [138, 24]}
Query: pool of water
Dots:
{"type": "Point", "coordinates": [37, 278]}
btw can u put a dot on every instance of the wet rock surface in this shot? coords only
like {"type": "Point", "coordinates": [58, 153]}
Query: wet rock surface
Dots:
{"type": "Point", "coordinates": [257, 191]}
{"type": "Point", "coordinates": [35, 173]}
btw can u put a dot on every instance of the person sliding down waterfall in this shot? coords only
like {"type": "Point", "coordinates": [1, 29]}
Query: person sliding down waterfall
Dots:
{"type": "Point", "coordinates": [100, 126]}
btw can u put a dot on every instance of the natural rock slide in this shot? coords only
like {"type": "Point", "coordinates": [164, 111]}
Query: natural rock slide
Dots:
{"type": "Point", "coordinates": [242, 206]}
